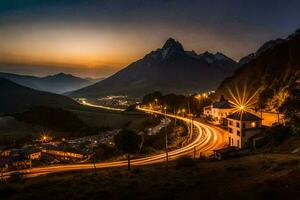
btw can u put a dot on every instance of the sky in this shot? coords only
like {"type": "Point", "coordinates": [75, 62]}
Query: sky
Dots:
{"type": "Point", "coordinates": [96, 38]}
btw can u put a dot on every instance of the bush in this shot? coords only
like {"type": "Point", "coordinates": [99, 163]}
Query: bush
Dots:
{"type": "Point", "coordinates": [105, 152]}
{"type": "Point", "coordinates": [185, 162]}
{"type": "Point", "coordinates": [278, 134]}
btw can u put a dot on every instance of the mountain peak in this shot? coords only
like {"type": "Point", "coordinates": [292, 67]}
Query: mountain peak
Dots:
{"type": "Point", "coordinates": [172, 43]}
{"type": "Point", "coordinates": [62, 74]}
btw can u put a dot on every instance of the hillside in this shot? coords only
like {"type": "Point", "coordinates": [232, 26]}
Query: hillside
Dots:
{"type": "Point", "coordinates": [58, 83]}
{"type": "Point", "coordinates": [15, 98]}
{"type": "Point", "coordinates": [260, 176]}
{"type": "Point", "coordinates": [273, 71]}
{"type": "Point", "coordinates": [169, 69]}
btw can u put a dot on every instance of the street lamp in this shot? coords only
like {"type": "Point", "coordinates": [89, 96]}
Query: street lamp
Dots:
{"type": "Point", "coordinates": [183, 111]}
{"type": "Point", "coordinates": [44, 138]}
{"type": "Point", "coordinates": [94, 161]}
{"type": "Point", "coordinates": [166, 134]}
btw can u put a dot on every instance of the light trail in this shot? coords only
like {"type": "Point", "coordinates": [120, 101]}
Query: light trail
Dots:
{"type": "Point", "coordinates": [208, 139]}
{"type": "Point", "coordinates": [84, 102]}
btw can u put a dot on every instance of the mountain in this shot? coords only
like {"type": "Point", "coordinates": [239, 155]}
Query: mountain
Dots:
{"type": "Point", "coordinates": [58, 83]}
{"type": "Point", "coordinates": [94, 80]}
{"type": "Point", "coordinates": [15, 98]}
{"type": "Point", "coordinates": [272, 72]}
{"type": "Point", "coordinates": [268, 45]}
{"type": "Point", "coordinates": [169, 69]}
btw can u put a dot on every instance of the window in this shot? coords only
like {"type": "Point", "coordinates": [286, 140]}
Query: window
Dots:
{"type": "Point", "coordinates": [230, 130]}
{"type": "Point", "coordinates": [253, 124]}
{"type": "Point", "coordinates": [238, 124]}
{"type": "Point", "coordinates": [232, 141]}
{"type": "Point", "coordinates": [238, 143]}
{"type": "Point", "coordinates": [229, 141]}
{"type": "Point", "coordinates": [244, 125]}
{"type": "Point", "coordinates": [230, 122]}
{"type": "Point", "coordinates": [238, 133]}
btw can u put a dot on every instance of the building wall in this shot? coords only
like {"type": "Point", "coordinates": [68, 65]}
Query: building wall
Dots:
{"type": "Point", "coordinates": [35, 156]}
{"type": "Point", "coordinates": [248, 134]}
{"type": "Point", "coordinates": [220, 113]}
{"type": "Point", "coordinates": [207, 110]}
{"type": "Point", "coordinates": [241, 131]}
{"type": "Point", "coordinates": [234, 133]}
{"type": "Point", "coordinates": [5, 153]}
{"type": "Point", "coordinates": [63, 153]}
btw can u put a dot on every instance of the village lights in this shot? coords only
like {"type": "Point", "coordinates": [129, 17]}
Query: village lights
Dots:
{"type": "Point", "coordinates": [44, 138]}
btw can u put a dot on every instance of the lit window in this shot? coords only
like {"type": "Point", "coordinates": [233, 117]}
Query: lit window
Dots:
{"type": "Point", "coordinates": [253, 124]}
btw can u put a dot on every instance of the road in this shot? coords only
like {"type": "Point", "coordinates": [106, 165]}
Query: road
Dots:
{"type": "Point", "coordinates": [207, 139]}
{"type": "Point", "coordinates": [84, 102]}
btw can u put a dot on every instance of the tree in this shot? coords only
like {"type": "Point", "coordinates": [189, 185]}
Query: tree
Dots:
{"type": "Point", "coordinates": [127, 141]}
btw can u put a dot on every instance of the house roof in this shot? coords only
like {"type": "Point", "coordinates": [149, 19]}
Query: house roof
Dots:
{"type": "Point", "coordinates": [243, 116]}
{"type": "Point", "coordinates": [222, 104]}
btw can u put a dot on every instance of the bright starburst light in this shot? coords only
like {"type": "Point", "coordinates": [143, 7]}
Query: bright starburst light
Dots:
{"type": "Point", "coordinates": [243, 101]}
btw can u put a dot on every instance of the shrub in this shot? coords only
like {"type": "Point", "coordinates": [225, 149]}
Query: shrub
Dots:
{"type": "Point", "coordinates": [278, 134]}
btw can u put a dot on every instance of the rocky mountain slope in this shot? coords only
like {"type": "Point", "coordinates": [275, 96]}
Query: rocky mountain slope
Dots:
{"type": "Point", "coordinates": [58, 83]}
{"type": "Point", "coordinates": [169, 69]}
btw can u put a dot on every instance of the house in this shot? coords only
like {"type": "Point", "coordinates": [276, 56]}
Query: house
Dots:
{"type": "Point", "coordinates": [64, 153]}
{"type": "Point", "coordinates": [242, 126]}
{"type": "Point", "coordinates": [5, 151]}
{"type": "Point", "coordinates": [14, 162]}
{"type": "Point", "coordinates": [219, 111]}
{"type": "Point", "coordinates": [33, 154]}
{"type": "Point", "coordinates": [207, 110]}
{"type": "Point", "coordinates": [30, 153]}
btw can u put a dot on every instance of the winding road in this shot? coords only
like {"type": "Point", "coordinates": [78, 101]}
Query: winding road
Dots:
{"type": "Point", "coordinates": [207, 139]}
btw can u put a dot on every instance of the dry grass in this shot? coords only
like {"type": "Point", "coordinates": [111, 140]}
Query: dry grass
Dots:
{"type": "Point", "coordinates": [250, 177]}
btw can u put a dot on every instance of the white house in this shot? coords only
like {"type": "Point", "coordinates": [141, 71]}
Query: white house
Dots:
{"type": "Point", "coordinates": [219, 111]}
{"type": "Point", "coordinates": [242, 126]}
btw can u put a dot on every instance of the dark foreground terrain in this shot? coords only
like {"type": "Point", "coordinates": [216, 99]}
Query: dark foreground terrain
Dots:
{"type": "Point", "coordinates": [260, 176]}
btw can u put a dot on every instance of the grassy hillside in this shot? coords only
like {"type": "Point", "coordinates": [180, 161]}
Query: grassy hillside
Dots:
{"type": "Point", "coordinates": [16, 98]}
{"type": "Point", "coordinates": [263, 176]}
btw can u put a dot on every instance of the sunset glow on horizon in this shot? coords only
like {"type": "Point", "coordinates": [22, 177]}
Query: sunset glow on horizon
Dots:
{"type": "Point", "coordinates": [106, 36]}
